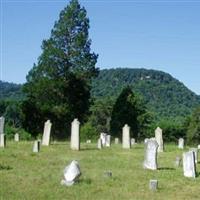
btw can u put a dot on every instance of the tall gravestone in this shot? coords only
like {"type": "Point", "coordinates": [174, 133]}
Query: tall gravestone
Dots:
{"type": "Point", "coordinates": [75, 135]}
{"type": "Point", "coordinates": [2, 134]}
{"type": "Point", "coordinates": [116, 140]}
{"type": "Point", "coordinates": [150, 159]}
{"type": "Point", "coordinates": [195, 150]}
{"type": "Point", "coordinates": [103, 137]}
{"type": "Point", "coordinates": [189, 167]}
{"type": "Point", "coordinates": [159, 139]}
{"type": "Point", "coordinates": [46, 133]}
{"type": "Point", "coordinates": [99, 143]}
{"type": "Point", "coordinates": [36, 146]}
{"type": "Point", "coordinates": [132, 141]}
{"type": "Point", "coordinates": [181, 143]}
{"type": "Point", "coordinates": [108, 140]}
{"type": "Point", "coordinates": [2, 121]}
{"type": "Point", "coordinates": [126, 143]}
{"type": "Point", "coordinates": [16, 137]}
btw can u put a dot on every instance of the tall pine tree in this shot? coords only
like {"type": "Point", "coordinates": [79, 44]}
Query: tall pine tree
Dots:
{"type": "Point", "coordinates": [58, 86]}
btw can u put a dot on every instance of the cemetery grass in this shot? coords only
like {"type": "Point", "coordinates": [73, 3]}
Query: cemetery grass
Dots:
{"type": "Point", "coordinates": [27, 175]}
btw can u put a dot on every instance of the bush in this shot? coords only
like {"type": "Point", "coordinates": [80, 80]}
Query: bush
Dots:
{"type": "Point", "coordinates": [88, 132]}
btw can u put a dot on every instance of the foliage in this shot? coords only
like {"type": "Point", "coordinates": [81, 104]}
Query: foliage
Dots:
{"type": "Point", "coordinates": [129, 109]}
{"type": "Point", "coordinates": [193, 132]}
{"type": "Point", "coordinates": [88, 132]}
{"type": "Point", "coordinates": [58, 86]}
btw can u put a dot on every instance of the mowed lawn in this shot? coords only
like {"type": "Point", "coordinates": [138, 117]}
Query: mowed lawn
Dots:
{"type": "Point", "coordinates": [25, 175]}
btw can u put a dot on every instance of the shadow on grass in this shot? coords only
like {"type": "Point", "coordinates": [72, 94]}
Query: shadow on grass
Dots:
{"type": "Point", "coordinates": [166, 168]}
{"type": "Point", "coordinates": [89, 149]}
{"type": "Point", "coordinates": [5, 167]}
{"type": "Point", "coordinates": [86, 181]}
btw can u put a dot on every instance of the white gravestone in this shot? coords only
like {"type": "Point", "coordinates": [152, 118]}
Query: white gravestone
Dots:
{"type": "Point", "coordinates": [195, 150]}
{"type": "Point", "coordinates": [2, 140]}
{"type": "Point", "coordinates": [71, 173]}
{"type": "Point", "coordinates": [126, 143]}
{"type": "Point", "coordinates": [99, 143]}
{"type": "Point", "coordinates": [181, 143]}
{"type": "Point", "coordinates": [75, 135]}
{"type": "Point", "coordinates": [16, 137]}
{"type": "Point", "coordinates": [36, 146]}
{"type": "Point", "coordinates": [150, 160]}
{"type": "Point", "coordinates": [159, 139]}
{"type": "Point", "coordinates": [145, 140]}
{"type": "Point", "coordinates": [46, 133]}
{"type": "Point", "coordinates": [132, 141]}
{"type": "Point", "coordinates": [153, 185]}
{"type": "Point", "coordinates": [189, 167]}
{"type": "Point", "coordinates": [116, 140]}
{"type": "Point", "coordinates": [103, 138]}
{"type": "Point", "coordinates": [2, 121]}
{"type": "Point", "coordinates": [108, 140]}
{"type": "Point", "coordinates": [198, 147]}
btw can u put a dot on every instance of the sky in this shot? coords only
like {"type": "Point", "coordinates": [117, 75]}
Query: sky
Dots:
{"type": "Point", "coordinates": [162, 35]}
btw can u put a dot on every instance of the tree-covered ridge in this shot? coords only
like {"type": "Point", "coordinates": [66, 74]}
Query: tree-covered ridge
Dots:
{"type": "Point", "coordinates": [165, 96]}
{"type": "Point", "coordinates": [10, 91]}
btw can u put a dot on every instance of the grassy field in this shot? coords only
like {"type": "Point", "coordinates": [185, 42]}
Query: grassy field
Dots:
{"type": "Point", "coordinates": [24, 175]}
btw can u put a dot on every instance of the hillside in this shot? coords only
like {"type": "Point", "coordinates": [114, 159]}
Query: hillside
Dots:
{"type": "Point", "coordinates": [165, 96]}
{"type": "Point", "coordinates": [10, 91]}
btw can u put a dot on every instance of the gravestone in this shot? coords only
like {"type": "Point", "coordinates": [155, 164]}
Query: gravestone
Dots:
{"type": "Point", "coordinates": [36, 146]}
{"type": "Point", "coordinates": [153, 185]}
{"type": "Point", "coordinates": [46, 133]}
{"type": "Point", "coordinates": [177, 162]}
{"type": "Point", "coordinates": [198, 147]}
{"type": "Point", "coordinates": [159, 139]}
{"type": "Point", "coordinates": [88, 141]}
{"type": "Point", "coordinates": [2, 140]}
{"type": "Point", "coordinates": [16, 137]}
{"type": "Point", "coordinates": [150, 159]}
{"type": "Point", "coordinates": [75, 135]}
{"type": "Point", "coordinates": [189, 167]}
{"type": "Point", "coordinates": [145, 140]}
{"type": "Point", "coordinates": [116, 140]}
{"type": "Point", "coordinates": [71, 173]}
{"type": "Point", "coordinates": [181, 143]}
{"type": "Point", "coordinates": [108, 140]}
{"type": "Point", "coordinates": [126, 143]}
{"type": "Point", "coordinates": [99, 143]}
{"type": "Point", "coordinates": [2, 121]}
{"type": "Point", "coordinates": [132, 141]}
{"type": "Point", "coordinates": [195, 150]}
{"type": "Point", "coordinates": [103, 138]}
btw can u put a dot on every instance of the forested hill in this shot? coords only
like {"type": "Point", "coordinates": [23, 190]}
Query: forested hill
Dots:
{"type": "Point", "coordinates": [10, 91]}
{"type": "Point", "coordinates": [165, 96]}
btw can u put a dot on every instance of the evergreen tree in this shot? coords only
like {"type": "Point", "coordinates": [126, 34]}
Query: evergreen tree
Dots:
{"type": "Point", "coordinates": [58, 86]}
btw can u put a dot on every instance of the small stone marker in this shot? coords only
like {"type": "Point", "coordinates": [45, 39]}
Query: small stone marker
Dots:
{"type": "Point", "coordinates": [126, 143]}
{"type": "Point", "coordinates": [108, 140]}
{"type": "Point", "coordinates": [16, 137]}
{"type": "Point", "coordinates": [36, 146]}
{"type": "Point", "coordinates": [153, 185]}
{"type": "Point", "coordinates": [2, 140]}
{"type": "Point", "coordinates": [88, 141]}
{"type": "Point", "coordinates": [132, 141]}
{"type": "Point", "coordinates": [75, 135]}
{"type": "Point", "coordinates": [2, 121]}
{"type": "Point", "coordinates": [107, 174]}
{"type": "Point", "coordinates": [189, 167]}
{"type": "Point", "coordinates": [195, 150]}
{"type": "Point", "coordinates": [181, 143]}
{"type": "Point", "coordinates": [99, 143]}
{"type": "Point", "coordinates": [71, 173]}
{"type": "Point", "coordinates": [159, 139]}
{"type": "Point", "coordinates": [177, 162]}
{"type": "Point", "coordinates": [46, 133]}
{"type": "Point", "coordinates": [103, 138]}
{"type": "Point", "coordinates": [150, 160]}
{"type": "Point", "coordinates": [116, 140]}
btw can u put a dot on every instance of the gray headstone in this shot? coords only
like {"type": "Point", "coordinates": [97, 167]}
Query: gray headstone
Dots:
{"type": "Point", "coordinates": [177, 162]}
{"type": "Point", "coordinates": [36, 146]}
{"type": "Point", "coordinates": [108, 140]}
{"type": "Point", "coordinates": [103, 138]}
{"type": "Point", "coordinates": [195, 150]}
{"type": "Point", "coordinates": [75, 135]}
{"type": "Point", "coordinates": [181, 143]}
{"type": "Point", "coordinates": [71, 173]}
{"type": "Point", "coordinates": [16, 137]}
{"type": "Point", "coordinates": [153, 185]}
{"type": "Point", "coordinates": [99, 143]}
{"type": "Point", "coordinates": [46, 133]}
{"type": "Point", "coordinates": [159, 139]}
{"type": "Point", "coordinates": [116, 140]}
{"type": "Point", "coordinates": [126, 143]}
{"type": "Point", "coordinates": [2, 121]}
{"type": "Point", "coordinates": [189, 167]}
{"type": "Point", "coordinates": [150, 160]}
{"type": "Point", "coordinates": [2, 140]}
{"type": "Point", "coordinates": [132, 141]}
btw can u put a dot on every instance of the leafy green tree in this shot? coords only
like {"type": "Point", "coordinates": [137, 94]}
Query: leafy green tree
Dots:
{"type": "Point", "coordinates": [58, 86]}
{"type": "Point", "coordinates": [193, 132]}
{"type": "Point", "coordinates": [129, 109]}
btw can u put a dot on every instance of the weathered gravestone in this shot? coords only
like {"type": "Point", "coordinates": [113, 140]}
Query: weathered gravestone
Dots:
{"type": "Point", "coordinates": [108, 140]}
{"type": "Point", "coordinates": [46, 133]}
{"type": "Point", "coordinates": [126, 143]}
{"type": "Point", "coordinates": [99, 143]}
{"type": "Point", "coordinates": [150, 159]}
{"type": "Point", "coordinates": [195, 150]}
{"type": "Point", "coordinates": [36, 146]}
{"type": "Point", "coordinates": [2, 140]}
{"type": "Point", "coordinates": [181, 143]}
{"type": "Point", "coordinates": [2, 121]}
{"type": "Point", "coordinates": [116, 140]}
{"type": "Point", "coordinates": [153, 185]}
{"type": "Point", "coordinates": [132, 141]}
{"type": "Point", "coordinates": [75, 135]}
{"type": "Point", "coordinates": [189, 167]}
{"type": "Point", "coordinates": [198, 147]}
{"type": "Point", "coordinates": [16, 137]}
{"type": "Point", "coordinates": [88, 141]}
{"type": "Point", "coordinates": [71, 173]}
{"type": "Point", "coordinates": [159, 139]}
{"type": "Point", "coordinates": [177, 162]}
{"type": "Point", "coordinates": [145, 140]}
{"type": "Point", "coordinates": [103, 137]}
